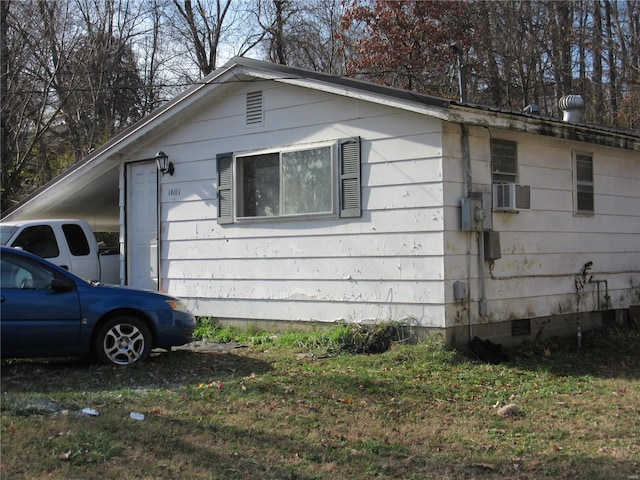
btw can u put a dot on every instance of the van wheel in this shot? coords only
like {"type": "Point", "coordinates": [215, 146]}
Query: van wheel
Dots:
{"type": "Point", "coordinates": [123, 341]}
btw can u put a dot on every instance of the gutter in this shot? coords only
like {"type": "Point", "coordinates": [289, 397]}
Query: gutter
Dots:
{"type": "Point", "coordinates": [536, 125]}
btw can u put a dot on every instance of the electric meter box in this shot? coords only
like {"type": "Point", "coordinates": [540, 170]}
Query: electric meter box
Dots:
{"type": "Point", "coordinates": [476, 212]}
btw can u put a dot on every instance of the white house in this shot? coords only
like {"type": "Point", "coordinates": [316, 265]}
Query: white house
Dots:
{"type": "Point", "coordinates": [297, 196]}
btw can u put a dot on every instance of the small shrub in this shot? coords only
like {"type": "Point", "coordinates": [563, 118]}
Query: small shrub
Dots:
{"type": "Point", "coordinates": [370, 338]}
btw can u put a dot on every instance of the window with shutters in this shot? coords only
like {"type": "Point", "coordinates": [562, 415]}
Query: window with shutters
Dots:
{"type": "Point", "coordinates": [315, 180]}
{"type": "Point", "coordinates": [583, 183]}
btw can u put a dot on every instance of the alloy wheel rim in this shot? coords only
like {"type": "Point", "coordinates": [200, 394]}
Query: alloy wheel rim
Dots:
{"type": "Point", "coordinates": [124, 344]}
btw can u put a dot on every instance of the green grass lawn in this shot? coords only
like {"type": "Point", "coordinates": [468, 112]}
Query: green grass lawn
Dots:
{"type": "Point", "coordinates": [289, 406]}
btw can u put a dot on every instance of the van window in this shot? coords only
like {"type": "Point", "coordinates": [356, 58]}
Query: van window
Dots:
{"type": "Point", "coordinates": [76, 239]}
{"type": "Point", "coordinates": [39, 240]}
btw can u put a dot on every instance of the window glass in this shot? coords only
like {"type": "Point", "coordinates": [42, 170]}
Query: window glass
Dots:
{"type": "Point", "coordinates": [39, 240]}
{"type": "Point", "coordinates": [287, 183]}
{"type": "Point", "coordinates": [583, 166]}
{"type": "Point", "coordinates": [584, 196]}
{"type": "Point", "coordinates": [260, 186]}
{"type": "Point", "coordinates": [6, 232]}
{"type": "Point", "coordinates": [306, 181]}
{"type": "Point", "coordinates": [76, 239]}
{"type": "Point", "coordinates": [24, 274]}
{"type": "Point", "coordinates": [504, 161]}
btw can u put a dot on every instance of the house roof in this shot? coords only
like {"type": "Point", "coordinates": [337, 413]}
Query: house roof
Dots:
{"type": "Point", "coordinates": [90, 189]}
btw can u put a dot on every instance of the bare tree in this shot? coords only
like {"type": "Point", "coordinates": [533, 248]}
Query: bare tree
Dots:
{"type": "Point", "coordinates": [508, 60]}
{"type": "Point", "coordinates": [30, 107]}
{"type": "Point", "coordinates": [200, 27]}
{"type": "Point", "coordinates": [75, 72]}
{"type": "Point", "coordinates": [70, 81]}
{"type": "Point", "coordinates": [302, 33]}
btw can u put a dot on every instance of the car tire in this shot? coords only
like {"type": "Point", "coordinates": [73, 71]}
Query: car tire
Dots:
{"type": "Point", "coordinates": [123, 341]}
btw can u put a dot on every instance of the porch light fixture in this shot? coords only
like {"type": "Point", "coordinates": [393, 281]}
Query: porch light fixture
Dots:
{"type": "Point", "coordinates": [164, 165]}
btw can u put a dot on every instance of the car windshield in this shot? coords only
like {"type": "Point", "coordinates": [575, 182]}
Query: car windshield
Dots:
{"type": "Point", "coordinates": [6, 232]}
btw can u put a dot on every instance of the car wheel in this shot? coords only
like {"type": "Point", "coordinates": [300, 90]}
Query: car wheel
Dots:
{"type": "Point", "coordinates": [123, 341]}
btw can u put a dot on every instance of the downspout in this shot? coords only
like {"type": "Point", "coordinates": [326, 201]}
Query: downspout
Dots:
{"type": "Point", "coordinates": [466, 166]}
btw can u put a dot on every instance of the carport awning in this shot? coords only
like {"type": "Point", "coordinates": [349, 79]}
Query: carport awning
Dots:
{"type": "Point", "coordinates": [89, 192]}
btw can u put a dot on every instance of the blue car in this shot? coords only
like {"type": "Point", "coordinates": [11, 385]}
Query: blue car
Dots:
{"type": "Point", "coordinates": [47, 312]}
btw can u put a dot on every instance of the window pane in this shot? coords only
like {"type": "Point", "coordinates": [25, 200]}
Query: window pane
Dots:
{"type": "Point", "coordinates": [504, 161]}
{"type": "Point", "coordinates": [77, 240]}
{"type": "Point", "coordinates": [585, 198]}
{"type": "Point", "coordinates": [584, 168]}
{"type": "Point", "coordinates": [6, 232]}
{"type": "Point", "coordinates": [306, 181]}
{"type": "Point", "coordinates": [22, 273]}
{"type": "Point", "coordinates": [261, 185]}
{"type": "Point", "coordinates": [39, 240]}
{"type": "Point", "coordinates": [584, 183]}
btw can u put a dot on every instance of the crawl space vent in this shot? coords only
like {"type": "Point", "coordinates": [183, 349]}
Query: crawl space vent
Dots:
{"type": "Point", "coordinates": [520, 327]}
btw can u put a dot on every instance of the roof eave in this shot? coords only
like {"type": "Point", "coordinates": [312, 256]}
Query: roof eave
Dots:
{"type": "Point", "coordinates": [543, 126]}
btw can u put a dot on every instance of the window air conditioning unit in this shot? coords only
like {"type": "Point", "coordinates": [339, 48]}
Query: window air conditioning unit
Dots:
{"type": "Point", "coordinates": [509, 197]}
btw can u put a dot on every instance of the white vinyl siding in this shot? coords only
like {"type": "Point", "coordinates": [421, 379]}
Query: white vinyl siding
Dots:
{"type": "Point", "coordinates": [544, 248]}
{"type": "Point", "coordinates": [377, 256]}
{"type": "Point", "coordinates": [397, 259]}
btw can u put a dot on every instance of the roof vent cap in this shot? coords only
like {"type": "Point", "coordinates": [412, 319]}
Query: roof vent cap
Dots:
{"type": "Point", "coordinates": [571, 106]}
{"type": "Point", "coordinates": [532, 108]}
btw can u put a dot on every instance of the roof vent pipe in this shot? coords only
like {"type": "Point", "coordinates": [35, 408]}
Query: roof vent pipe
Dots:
{"type": "Point", "coordinates": [462, 80]}
{"type": "Point", "coordinates": [571, 106]}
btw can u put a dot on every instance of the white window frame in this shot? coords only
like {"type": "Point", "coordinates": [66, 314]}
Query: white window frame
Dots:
{"type": "Point", "coordinates": [239, 193]}
{"type": "Point", "coordinates": [581, 184]}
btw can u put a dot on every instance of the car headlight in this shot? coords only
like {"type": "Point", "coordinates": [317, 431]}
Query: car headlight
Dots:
{"type": "Point", "coordinates": [178, 305]}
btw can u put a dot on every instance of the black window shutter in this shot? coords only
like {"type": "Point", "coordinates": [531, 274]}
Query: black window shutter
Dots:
{"type": "Point", "coordinates": [225, 187]}
{"type": "Point", "coordinates": [350, 178]}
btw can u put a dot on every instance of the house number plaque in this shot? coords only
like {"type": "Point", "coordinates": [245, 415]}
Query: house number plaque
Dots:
{"type": "Point", "coordinates": [174, 192]}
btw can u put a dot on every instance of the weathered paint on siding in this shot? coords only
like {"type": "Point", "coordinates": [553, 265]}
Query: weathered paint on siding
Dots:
{"type": "Point", "coordinates": [388, 264]}
{"type": "Point", "coordinates": [401, 258]}
{"type": "Point", "coordinates": [544, 249]}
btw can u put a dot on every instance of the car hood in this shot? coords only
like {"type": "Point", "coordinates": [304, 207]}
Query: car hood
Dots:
{"type": "Point", "coordinates": [126, 290]}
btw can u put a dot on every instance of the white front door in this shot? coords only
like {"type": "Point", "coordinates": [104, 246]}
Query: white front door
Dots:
{"type": "Point", "coordinates": [142, 225]}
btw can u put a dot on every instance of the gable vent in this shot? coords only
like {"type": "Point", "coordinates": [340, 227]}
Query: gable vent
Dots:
{"type": "Point", "coordinates": [254, 108]}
